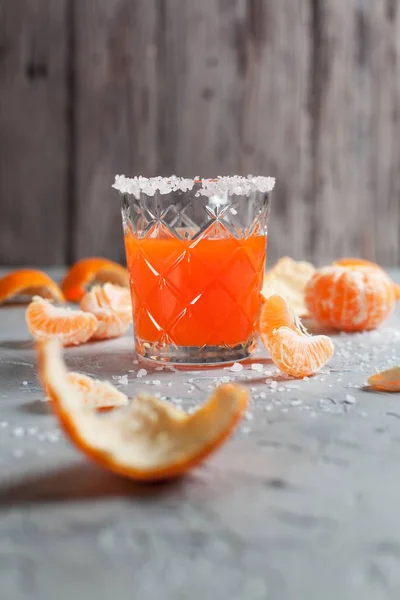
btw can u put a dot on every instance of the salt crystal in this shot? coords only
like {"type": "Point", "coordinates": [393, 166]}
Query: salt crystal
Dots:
{"type": "Point", "coordinates": [295, 402]}
{"type": "Point", "coordinates": [306, 378]}
{"type": "Point", "coordinates": [32, 430]}
{"type": "Point", "coordinates": [141, 373]}
{"type": "Point", "coordinates": [257, 367]}
{"type": "Point", "coordinates": [19, 431]}
{"type": "Point", "coordinates": [3, 424]}
{"type": "Point", "coordinates": [281, 389]}
{"type": "Point", "coordinates": [156, 382]}
{"type": "Point", "coordinates": [269, 407]}
{"type": "Point", "coordinates": [124, 380]}
{"type": "Point", "coordinates": [236, 367]}
{"type": "Point", "coordinates": [263, 395]}
{"type": "Point", "coordinates": [248, 416]}
{"type": "Point", "coordinates": [253, 389]}
{"type": "Point", "coordinates": [349, 399]}
{"type": "Point", "coordinates": [274, 385]}
{"type": "Point", "coordinates": [224, 380]}
{"type": "Point", "coordinates": [24, 383]}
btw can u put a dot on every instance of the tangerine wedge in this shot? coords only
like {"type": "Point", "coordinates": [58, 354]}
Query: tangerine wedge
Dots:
{"type": "Point", "coordinates": [88, 271]}
{"type": "Point", "coordinates": [70, 327]}
{"type": "Point", "coordinates": [150, 440]}
{"type": "Point", "coordinates": [111, 305]}
{"type": "Point", "coordinates": [288, 278]}
{"type": "Point", "coordinates": [29, 283]}
{"type": "Point", "coordinates": [291, 348]}
{"type": "Point", "coordinates": [387, 381]}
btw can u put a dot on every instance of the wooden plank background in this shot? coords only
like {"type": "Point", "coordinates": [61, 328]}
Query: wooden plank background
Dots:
{"type": "Point", "coordinates": [306, 90]}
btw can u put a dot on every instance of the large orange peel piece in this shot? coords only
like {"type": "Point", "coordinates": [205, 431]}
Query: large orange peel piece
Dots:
{"type": "Point", "coordinates": [288, 278]}
{"type": "Point", "coordinates": [291, 348]}
{"type": "Point", "coordinates": [151, 439]}
{"type": "Point", "coordinates": [89, 271]}
{"type": "Point", "coordinates": [111, 304]}
{"type": "Point", "coordinates": [29, 283]}
{"type": "Point", "coordinates": [101, 395]}
{"type": "Point", "coordinates": [386, 381]}
{"type": "Point", "coordinates": [70, 327]}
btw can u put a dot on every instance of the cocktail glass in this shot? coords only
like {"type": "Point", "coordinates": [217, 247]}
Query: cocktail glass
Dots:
{"type": "Point", "coordinates": [195, 251]}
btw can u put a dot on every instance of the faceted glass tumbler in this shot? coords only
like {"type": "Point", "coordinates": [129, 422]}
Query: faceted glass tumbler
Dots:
{"type": "Point", "coordinates": [196, 265]}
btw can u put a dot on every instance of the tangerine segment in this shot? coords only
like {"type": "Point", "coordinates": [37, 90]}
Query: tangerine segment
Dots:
{"type": "Point", "coordinates": [299, 355]}
{"type": "Point", "coordinates": [350, 298]}
{"type": "Point", "coordinates": [70, 327]}
{"type": "Point", "coordinates": [152, 440]}
{"type": "Point", "coordinates": [387, 381]}
{"type": "Point", "coordinates": [29, 282]}
{"type": "Point", "coordinates": [275, 313]}
{"type": "Point", "coordinates": [101, 395]}
{"type": "Point", "coordinates": [292, 349]}
{"type": "Point", "coordinates": [289, 278]}
{"type": "Point", "coordinates": [92, 270]}
{"type": "Point", "coordinates": [111, 304]}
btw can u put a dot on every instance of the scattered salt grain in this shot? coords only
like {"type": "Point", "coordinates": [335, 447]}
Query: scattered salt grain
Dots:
{"type": "Point", "coordinates": [280, 389]}
{"type": "Point", "coordinates": [155, 382]}
{"type": "Point", "coordinates": [263, 395]}
{"type": "Point", "coordinates": [32, 430]}
{"type": "Point", "coordinates": [123, 380]}
{"type": "Point", "coordinates": [306, 378]}
{"type": "Point", "coordinates": [141, 373]}
{"type": "Point", "coordinates": [349, 399]}
{"type": "Point", "coordinates": [274, 385]}
{"type": "Point", "coordinates": [24, 383]}
{"type": "Point", "coordinates": [257, 367]}
{"type": "Point", "coordinates": [18, 431]}
{"type": "Point", "coordinates": [3, 424]}
{"type": "Point", "coordinates": [224, 380]}
{"type": "Point", "coordinates": [236, 367]}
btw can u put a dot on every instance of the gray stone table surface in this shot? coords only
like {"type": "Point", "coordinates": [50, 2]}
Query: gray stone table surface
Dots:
{"type": "Point", "coordinates": [302, 504]}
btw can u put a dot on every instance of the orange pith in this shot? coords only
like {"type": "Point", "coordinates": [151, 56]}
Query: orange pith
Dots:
{"type": "Point", "coordinates": [353, 297]}
{"type": "Point", "coordinates": [29, 282]}
{"type": "Point", "coordinates": [100, 395]}
{"type": "Point", "coordinates": [70, 327]}
{"type": "Point", "coordinates": [92, 270]}
{"type": "Point", "coordinates": [292, 350]}
{"type": "Point", "coordinates": [111, 304]}
{"type": "Point", "coordinates": [151, 440]}
{"type": "Point", "coordinates": [386, 381]}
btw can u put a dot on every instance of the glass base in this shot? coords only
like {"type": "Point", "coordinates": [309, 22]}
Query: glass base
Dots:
{"type": "Point", "coordinates": [194, 355]}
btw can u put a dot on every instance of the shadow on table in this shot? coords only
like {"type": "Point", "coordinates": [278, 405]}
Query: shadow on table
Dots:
{"type": "Point", "coordinates": [17, 344]}
{"type": "Point", "coordinates": [78, 482]}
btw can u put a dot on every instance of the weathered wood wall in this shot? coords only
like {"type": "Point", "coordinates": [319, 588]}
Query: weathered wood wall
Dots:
{"type": "Point", "coordinates": [306, 90]}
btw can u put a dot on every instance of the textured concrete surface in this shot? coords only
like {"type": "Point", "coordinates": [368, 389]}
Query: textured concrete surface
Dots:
{"type": "Point", "coordinates": [303, 504]}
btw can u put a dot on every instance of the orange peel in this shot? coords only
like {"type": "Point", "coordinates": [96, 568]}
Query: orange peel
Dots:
{"type": "Point", "coordinates": [101, 395]}
{"type": "Point", "coordinates": [29, 283]}
{"type": "Point", "coordinates": [291, 348]}
{"type": "Point", "coordinates": [111, 305]}
{"type": "Point", "coordinates": [288, 278]}
{"type": "Point", "coordinates": [89, 271]}
{"type": "Point", "coordinates": [386, 381]}
{"type": "Point", "coordinates": [70, 327]}
{"type": "Point", "coordinates": [151, 439]}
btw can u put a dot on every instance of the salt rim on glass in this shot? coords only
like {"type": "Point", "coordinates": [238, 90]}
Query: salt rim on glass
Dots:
{"type": "Point", "coordinates": [232, 185]}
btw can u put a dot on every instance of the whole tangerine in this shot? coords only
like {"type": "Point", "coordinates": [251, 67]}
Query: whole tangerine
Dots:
{"type": "Point", "coordinates": [350, 297]}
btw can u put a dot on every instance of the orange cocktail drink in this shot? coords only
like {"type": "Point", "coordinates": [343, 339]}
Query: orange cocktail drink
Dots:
{"type": "Point", "coordinates": [196, 264]}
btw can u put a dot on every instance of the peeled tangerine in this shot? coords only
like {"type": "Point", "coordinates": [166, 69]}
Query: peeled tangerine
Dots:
{"type": "Point", "coordinates": [111, 305]}
{"type": "Point", "coordinates": [292, 349]}
{"type": "Point", "coordinates": [151, 439]}
{"type": "Point", "coordinates": [350, 296]}
{"type": "Point", "coordinates": [386, 381]}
